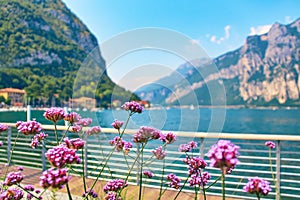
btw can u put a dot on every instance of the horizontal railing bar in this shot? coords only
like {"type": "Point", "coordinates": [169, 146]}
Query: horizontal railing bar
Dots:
{"type": "Point", "coordinates": [247, 136]}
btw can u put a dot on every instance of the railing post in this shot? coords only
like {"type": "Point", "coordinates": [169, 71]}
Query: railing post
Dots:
{"type": "Point", "coordinates": [43, 156]}
{"type": "Point", "coordinates": [28, 113]}
{"type": "Point", "coordinates": [66, 110]}
{"type": "Point", "coordinates": [278, 165]}
{"type": "Point", "coordinates": [138, 165]}
{"type": "Point", "coordinates": [201, 147]}
{"type": "Point", "coordinates": [8, 144]}
{"type": "Point", "coordinates": [85, 156]}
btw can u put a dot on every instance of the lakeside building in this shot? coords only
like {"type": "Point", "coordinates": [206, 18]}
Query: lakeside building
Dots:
{"type": "Point", "coordinates": [82, 102]}
{"type": "Point", "coordinates": [15, 95]}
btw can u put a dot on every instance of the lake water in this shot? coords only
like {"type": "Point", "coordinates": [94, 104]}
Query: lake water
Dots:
{"type": "Point", "coordinates": [242, 120]}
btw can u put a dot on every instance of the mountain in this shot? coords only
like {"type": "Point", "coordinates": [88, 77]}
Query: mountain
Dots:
{"type": "Point", "coordinates": [42, 46]}
{"type": "Point", "coordinates": [265, 71]}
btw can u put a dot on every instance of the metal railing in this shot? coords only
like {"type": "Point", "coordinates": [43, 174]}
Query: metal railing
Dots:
{"type": "Point", "coordinates": [254, 159]}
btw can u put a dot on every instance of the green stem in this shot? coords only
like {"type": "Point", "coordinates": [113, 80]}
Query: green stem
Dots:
{"type": "Point", "coordinates": [141, 174]}
{"type": "Point", "coordinates": [213, 183]}
{"type": "Point", "coordinates": [129, 172]}
{"type": "Point", "coordinates": [258, 197]}
{"type": "Point", "coordinates": [65, 133]}
{"type": "Point", "coordinates": [69, 192]}
{"type": "Point", "coordinates": [203, 189]}
{"type": "Point", "coordinates": [162, 178]}
{"type": "Point", "coordinates": [109, 156]}
{"type": "Point", "coordinates": [182, 187]}
{"type": "Point", "coordinates": [223, 185]}
{"type": "Point", "coordinates": [196, 192]}
{"type": "Point", "coordinates": [271, 167]}
{"type": "Point", "coordinates": [56, 134]}
{"type": "Point", "coordinates": [83, 171]}
{"type": "Point", "coordinates": [27, 191]}
{"type": "Point", "coordinates": [11, 155]}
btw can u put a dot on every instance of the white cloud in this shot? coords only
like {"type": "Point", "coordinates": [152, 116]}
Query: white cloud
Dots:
{"type": "Point", "coordinates": [259, 30]}
{"type": "Point", "coordinates": [226, 36]}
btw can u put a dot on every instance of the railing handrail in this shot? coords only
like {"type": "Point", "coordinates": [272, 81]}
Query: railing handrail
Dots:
{"type": "Point", "coordinates": [207, 135]}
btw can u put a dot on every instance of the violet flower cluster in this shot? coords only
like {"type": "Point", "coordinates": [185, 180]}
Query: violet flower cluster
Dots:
{"type": "Point", "coordinates": [90, 193]}
{"type": "Point", "coordinates": [11, 194]}
{"type": "Point", "coordinates": [84, 122]}
{"type": "Point", "coordinates": [223, 155]}
{"type": "Point", "coordinates": [60, 156]}
{"type": "Point", "coordinates": [201, 181]}
{"type": "Point", "coordinates": [270, 144]}
{"type": "Point", "coordinates": [113, 187]}
{"type": "Point", "coordinates": [159, 153]}
{"type": "Point", "coordinates": [148, 173]}
{"type": "Point", "coordinates": [174, 181]}
{"type": "Point", "coordinates": [257, 186]}
{"type": "Point", "coordinates": [146, 133]}
{"type": "Point", "coordinates": [117, 124]}
{"type": "Point", "coordinates": [168, 138]}
{"type": "Point", "coordinates": [133, 107]}
{"type": "Point", "coordinates": [121, 144]}
{"type": "Point", "coordinates": [3, 127]}
{"type": "Point", "coordinates": [195, 164]}
{"type": "Point", "coordinates": [55, 114]}
{"type": "Point", "coordinates": [93, 130]}
{"type": "Point", "coordinates": [55, 178]}
{"type": "Point", "coordinates": [13, 178]}
{"type": "Point", "coordinates": [187, 147]}
{"type": "Point", "coordinates": [76, 143]}
{"type": "Point", "coordinates": [37, 139]}
{"type": "Point", "coordinates": [75, 128]}
{"type": "Point", "coordinates": [30, 127]}
{"type": "Point", "coordinates": [72, 117]}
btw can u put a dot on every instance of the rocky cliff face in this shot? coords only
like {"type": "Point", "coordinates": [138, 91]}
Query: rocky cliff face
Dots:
{"type": "Point", "coordinates": [264, 71]}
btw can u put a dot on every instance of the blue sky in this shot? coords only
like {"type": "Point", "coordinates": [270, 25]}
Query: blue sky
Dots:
{"type": "Point", "coordinates": [217, 26]}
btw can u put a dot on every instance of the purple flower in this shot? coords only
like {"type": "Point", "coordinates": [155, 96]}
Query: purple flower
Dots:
{"type": "Point", "coordinates": [187, 147]}
{"type": "Point", "coordinates": [112, 196]}
{"type": "Point", "coordinates": [148, 173]}
{"type": "Point", "coordinates": [1, 143]}
{"type": "Point", "coordinates": [159, 153]}
{"type": "Point", "coordinates": [196, 179]}
{"type": "Point", "coordinates": [257, 186]}
{"type": "Point", "coordinates": [76, 143]}
{"type": "Point", "coordinates": [93, 130]}
{"type": "Point", "coordinates": [114, 185]}
{"type": "Point", "coordinates": [145, 133]}
{"type": "Point", "coordinates": [20, 168]}
{"type": "Point", "coordinates": [30, 127]}
{"type": "Point", "coordinates": [133, 107]}
{"type": "Point", "coordinates": [223, 155]}
{"type": "Point", "coordinates": [121, 144]}
{"type": "Point", "coordinates": [37, 138]}
{"type": "Point", "coordinates": [195, 164]}
{"type": "Point", "coordinates": [11, 194]}
{"type": "Point", "coordinates": [75, 128]}
{"type": "Point", "coordinates": [90, 193]}
{"type": "Point", "coordinates": [168, 138]}
{"type": "Point", "coordinates": [54, 178]}
{"type": "Point", "coordinates": [270, 144]}
{"type": "Point", "coordinates": [29, 188]}
{"type": "Point", "coordinates": [174, 181]}
{"type": "Point", "coordinates": [72, 117]}
{"type": "Point", "coordinates": [3, 127]}
{"type": "Point", "coordinates": [84, 122]}
{"type": "Point", "coordinates": [60, 156]}
{"type": "Point", "coordinates": [55, 114]}
{"type": "Point", "coordinates": [117, 124]}
{"type": "Point", "coordinates": [13, 178]}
